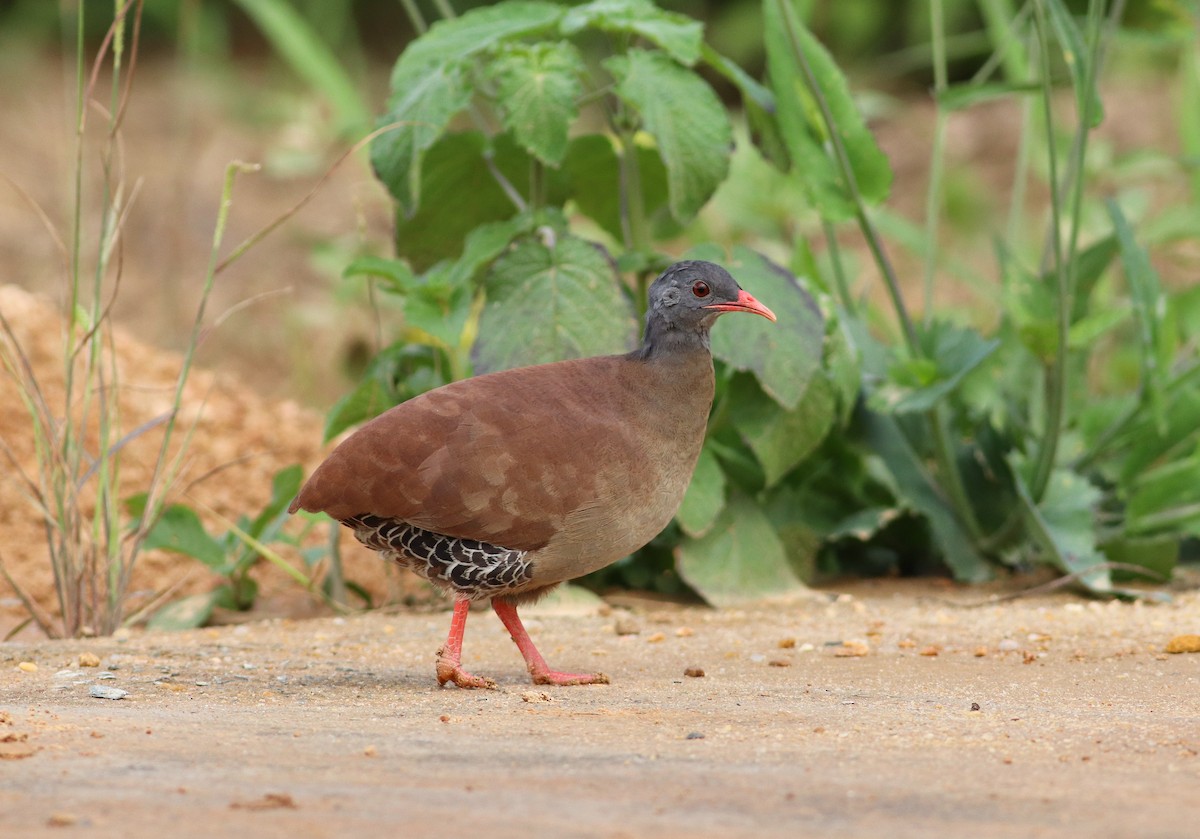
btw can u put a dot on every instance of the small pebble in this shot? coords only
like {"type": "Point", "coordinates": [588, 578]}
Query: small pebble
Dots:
{"type": "Point", "coordinates": [694, 735]}
{"type": "Point", "coordinates": [27, 667]}
{"type": "Point", "coordinates": [931, 650]}
{"type": "Point", "coordinates": [1184, 644]}
{"type": "Point", "coordinates": [655, 638]}
{"type": "Point", "coordinates": [694, 672]}
{"type": "Point", "coordinates": [62, 820]}
{"type": "Point", "coordinates": [1008, 645]}
{"type": "Point", "coordinates": [89, 660]}
{"type": "Point", "coordinates": [779, 662]}
{"type": "Point", "coordinates": [974, 706]}
{"type": "Point", "coordinates": [685, 632]}
{"type": "Point", "coordinates": [106, 692]}
{"type": "Point", "coordinates": [626, 626]}
{"type": "Point", "coordinates": [536, 696]}
{"type": "Point", "coordinates": [981, 651]}
{"type": "Point", "coordinates": [852, 649]}
{"type": "Point", "coordinates": [370, 751]}
{"type": "Point", "coordinates": [787, 643]}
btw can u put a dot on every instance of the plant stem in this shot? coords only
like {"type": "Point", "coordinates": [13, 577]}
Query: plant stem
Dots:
{"type": "Point", "coordinates": [842, 159]}
{"type": "Point", "coordinates": [1057, 378]}
{"type": "Point", "coordinates": [839, 270]}
{"type": "Point", "coordinates": [414, 16]}
{"type": "Point", "coordinates": [933, 198]}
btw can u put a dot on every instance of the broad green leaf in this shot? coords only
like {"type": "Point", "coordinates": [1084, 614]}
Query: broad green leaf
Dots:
{"type": "Point", "coordinates": [417, 115]}
{"type": "Point", "coordinates": [779, 438]}
{"type": "Point", "coordinates": [917, 384]}
{"type": "Point", "coordinates": [537, 86]}
{"type": "Point", "coordinates": [284, 487]}
{"type": "Point", "coordinates": [441, 315]}
{"type": "Point", "coordinates": [397, 276]}
{"type": "Point", "coordinates": [739, 559]}
{"type": "Point", "coordinates": [1150, 438]}
{"type": "Point", "coordinates": [481, 28]}
{"type": "Point", "coordinates": [786, 509]}
{"type": "Point", "coordinates": [705, 496]}
{"type": "Point", "coordinates": [679, 35]}
{"type": "Point", "coordinates": [593, 170]}
{"type": "Point", "coordinates": [1149, 308]}
{"type": "Point", "coordinates": [368, 400]}
{"type": "Point", "coordinates": [919, 492]}
{"type": "Point", "coordinates": [186, 613]}
{"type": "Point", "coordinates": [1157, 554]}
{"type": "Point", "coordinates": [483, 245]}
{"type": "Point", "coordinates": [842, 366]}
{"type": "Point", "coordinates": [785, 355]}
{"type": "Point", "coordinates": [179, 529]}
{"type": "Point", "coordinates": [1064, 524]}
{"type": "Point", "coordinates": [463, 193]}
{"type": "Point", "coordinates": [1076, 57]}
{"type": "Point", "coordinates": [1165, 500]}
{"type": "Point", "coordinates": [961, 96]}
{"type": "Point", "coordinates": [788, 41]}
{"type": "Point", "coordinates": [548, 302]}
{"type": "Point", "coordinates": [687, 120]}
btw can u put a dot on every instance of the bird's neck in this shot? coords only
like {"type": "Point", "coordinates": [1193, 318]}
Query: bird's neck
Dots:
{"type": "Point", "coordinates": [663, 343]}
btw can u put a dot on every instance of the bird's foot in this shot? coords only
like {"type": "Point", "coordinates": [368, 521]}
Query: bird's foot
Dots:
{"type": "Point", "coordinates": [553, 677]}
{"type": "Point", "coordinates": [449, 670]}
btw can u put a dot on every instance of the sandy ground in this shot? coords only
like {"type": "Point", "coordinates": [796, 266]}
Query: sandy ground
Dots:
{"type": "Point", "coordinates": [1044, 717]}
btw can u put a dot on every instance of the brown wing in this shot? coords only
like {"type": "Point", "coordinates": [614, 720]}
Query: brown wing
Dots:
{"type": "Point", "coordinates": [495, 458]}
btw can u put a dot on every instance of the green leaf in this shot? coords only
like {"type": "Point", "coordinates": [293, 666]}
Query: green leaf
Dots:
{"type": "Point", "coordinates": [784, 356]}
{"type": "Point", "coordinates": [919, 492]}
{"type": "Point", "coordinates": [1076, 57]}
{"type": "Point", "coordinates": [463, 194]}
{"type": "Point", "coordinates": [370, 398]}
{"type": "Point", "coordinates": [284, 487]}
{"type": "Point", "coordinates": [417, 115]}
{"type": "Point", "coordinates": [1165, 500]}
{"type": "Point", "coordinates": [739, 559]}
{"type": "Point", "coordinates": [483, 245]}
{"type": "Point", "coordinates": [592, 168]}
{"type": "Point", "coordinates": [1158, 554]}
{"type": "Point", "coordinates": [537, 86]}
{"type": "Point", "coordinates": [686, 119]}
{"type": "Point", "coordinates": [679, 35]}
{"type": "Point", "coordinates": [705, 497]}
{"type": "Point", "coordinates": [1064, 524]}
{"type": "Point", "coordinates": [179, 529]}
{"type": "Point", "coordinates": [800, 121]}
{"type": "Point", "coordinates": [397, 276]}
{"type": "Point", "coordinates": [186, 613]}
{"type": "Point", "coordinates": [779, 438]}
{"type": "Point", "coordinates": [548, 302]}
{"type": "Point", "coordinates": [917, 384]}
{"type": "Point", "coordinates": [1149, 308]}
{"type": "Point", "coordinates": [482, 28]}
{"type": "Point", "coordinates": [962, 96]}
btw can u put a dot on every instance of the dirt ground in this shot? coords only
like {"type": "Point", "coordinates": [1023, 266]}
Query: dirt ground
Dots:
{"type": "Point", "coordinates": [1043, 717]}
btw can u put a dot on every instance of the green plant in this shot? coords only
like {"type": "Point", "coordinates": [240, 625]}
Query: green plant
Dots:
{"type": "Point", "coordinates": [1001, 472]}
{"type": "Point", "coordinates": [79, 435]}
{"type": "Point", "coordinates": [945, 454]}
{"type": "Point", "coordinates": [234, 553]}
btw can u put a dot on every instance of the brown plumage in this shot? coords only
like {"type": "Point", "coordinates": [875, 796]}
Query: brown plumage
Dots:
{"type": "Point", "coordinates": [504, 485]}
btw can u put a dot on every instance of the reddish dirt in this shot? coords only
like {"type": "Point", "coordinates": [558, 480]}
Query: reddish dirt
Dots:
{"type": "Point", "coordinates": [1048, 717]}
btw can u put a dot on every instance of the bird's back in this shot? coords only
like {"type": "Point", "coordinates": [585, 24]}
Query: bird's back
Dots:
{"type": "Point", "coordinates": [526, 456]}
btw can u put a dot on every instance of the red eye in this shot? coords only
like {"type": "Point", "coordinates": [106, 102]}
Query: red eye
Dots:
{"type": "Point", "coordinates": [701, 289]}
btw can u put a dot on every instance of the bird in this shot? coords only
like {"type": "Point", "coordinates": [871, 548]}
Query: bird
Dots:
{"type": "Point", "coordinates": [502, 486]}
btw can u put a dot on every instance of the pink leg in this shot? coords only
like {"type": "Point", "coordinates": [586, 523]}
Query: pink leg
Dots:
{"type": "Point", "coordinates": [542, 674]}
{"type": "Point", "coordinates": [449, 657]}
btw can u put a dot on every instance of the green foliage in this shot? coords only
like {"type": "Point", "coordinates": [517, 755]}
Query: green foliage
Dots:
{"type": "Point", "coordinates": [837, 441]}
{"type": "Point", "coordinates": [230, 555]}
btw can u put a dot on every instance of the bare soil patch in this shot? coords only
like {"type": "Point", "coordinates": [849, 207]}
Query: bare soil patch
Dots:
{"type": "Point", "coordinates": [1047, 717]}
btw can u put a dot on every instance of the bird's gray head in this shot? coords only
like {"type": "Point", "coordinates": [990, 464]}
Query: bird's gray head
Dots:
{"type": "Point", "coordinates": [687, 298]}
